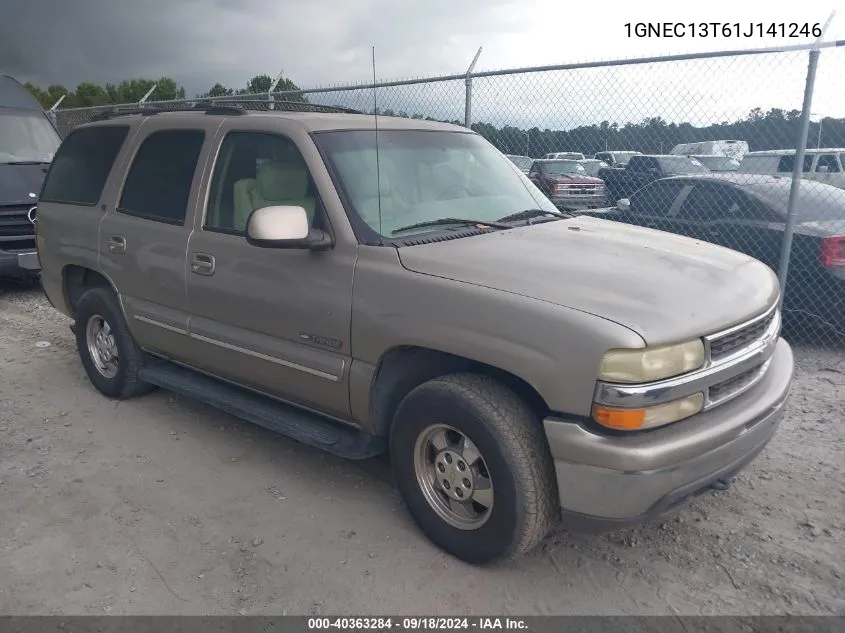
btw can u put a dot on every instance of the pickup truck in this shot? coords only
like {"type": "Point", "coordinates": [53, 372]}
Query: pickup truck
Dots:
{"type": "Point", "coordinates": [621, 182]}
{"type": "Point", "coordinates": [414, 294]}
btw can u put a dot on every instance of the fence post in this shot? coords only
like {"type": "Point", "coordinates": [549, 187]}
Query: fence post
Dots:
{"type": "Point", "coordinates": [468, 81]}
{"type": "Point", "coordinates": [797, 171]}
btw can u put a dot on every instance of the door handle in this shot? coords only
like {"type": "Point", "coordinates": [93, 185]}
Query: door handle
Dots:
{"type": "Point", "coordinates": [117, 244]}
{"type": "Point", "coordinates": [202, 264]}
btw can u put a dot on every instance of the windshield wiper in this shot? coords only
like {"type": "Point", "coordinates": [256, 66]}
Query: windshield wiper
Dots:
{"type": "Point", "coordinates": [453, 221]}
{"type": "Point", "coordinates": [26, 162]}
{"type": "Point", "coordinates": [529, 214]}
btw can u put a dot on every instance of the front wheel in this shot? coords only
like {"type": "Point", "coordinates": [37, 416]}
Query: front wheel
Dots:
{"type": "Point", "coordinates": [474, 468]}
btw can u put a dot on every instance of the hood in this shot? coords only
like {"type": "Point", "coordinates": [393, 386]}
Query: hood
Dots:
{"type": "Point", "coordinates": [665, 287]}
{"type": "Point", "coordinates": [17, 182]}
{"type": "Point", "coordinates": [572, 179]}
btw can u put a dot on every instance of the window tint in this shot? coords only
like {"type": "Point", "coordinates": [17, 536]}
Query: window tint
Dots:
{"type": "Point", "coordinates": [712, 202]}
{"type": "Point", "coordinates": [159, 181]}
{"type": "Point", "coordinates": [829, 161]}
{"type": "Point", "coordinates": [82, 165]}
{"type": "Point", "coordinates": [787, 163]}
{"type": "Point", "coordinates": [255, 170]}
{"type": "Point", "coordinates": [656, 199]}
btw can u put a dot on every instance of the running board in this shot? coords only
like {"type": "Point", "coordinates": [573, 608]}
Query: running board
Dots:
{"type": "Point", "coordinates": [300, 425]}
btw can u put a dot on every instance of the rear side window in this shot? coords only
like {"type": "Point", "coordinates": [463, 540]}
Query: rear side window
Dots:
{"type": "Point", "coordinates": [81, 166]}
{"type": "Point", "coordinates": [159, 181]}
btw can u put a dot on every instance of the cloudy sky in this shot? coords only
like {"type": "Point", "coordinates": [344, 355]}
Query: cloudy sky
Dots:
{"type": "Point", "coordinates": [328, 42]}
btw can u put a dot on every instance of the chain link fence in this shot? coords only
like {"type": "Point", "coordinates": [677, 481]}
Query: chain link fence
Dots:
{"type": "Point", "coordinates": [744, 149]}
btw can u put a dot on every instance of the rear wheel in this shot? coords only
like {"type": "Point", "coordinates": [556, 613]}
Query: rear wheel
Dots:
{"type": "Point", "coordinates": [474, 468]}
{"type": "Point", "coordinates": [108, 352]}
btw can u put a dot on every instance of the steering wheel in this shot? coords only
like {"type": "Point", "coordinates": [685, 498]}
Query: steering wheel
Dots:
{"type": "Point", "coordinates": [457, 188]}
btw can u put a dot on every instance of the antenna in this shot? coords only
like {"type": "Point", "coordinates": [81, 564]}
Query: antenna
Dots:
{"type": "Point", "coordinates": [378, 164]}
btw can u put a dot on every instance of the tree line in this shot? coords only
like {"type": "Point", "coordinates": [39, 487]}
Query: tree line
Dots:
{"type": "Point", "coordinates": [772, 129]}
{"type": "Point", "coordinates": [89, 94]}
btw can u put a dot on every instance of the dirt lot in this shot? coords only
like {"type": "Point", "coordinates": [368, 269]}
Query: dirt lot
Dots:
{"type": "Point", "coordinates": [160, 505]}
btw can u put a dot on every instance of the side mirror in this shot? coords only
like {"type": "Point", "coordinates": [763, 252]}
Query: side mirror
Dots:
{"type": "Point", "coordinates": [284, 227]}
{"type": "Point", "coordinates": [823, 169]}
{"type": "Point", "coordinates": [623, 204]}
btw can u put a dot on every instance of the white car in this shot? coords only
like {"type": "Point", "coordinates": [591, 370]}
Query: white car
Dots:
{"type": "Point", "coordinates": [825, 165]}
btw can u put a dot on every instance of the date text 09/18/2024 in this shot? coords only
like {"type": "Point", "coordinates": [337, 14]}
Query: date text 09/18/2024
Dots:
{"type": "Point", "coordinates": [416, 623]}
{"type": "Point", "coordinates": [723, 30]}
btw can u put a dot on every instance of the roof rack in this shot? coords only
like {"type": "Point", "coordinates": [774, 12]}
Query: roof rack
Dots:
{"type": "Point", "coordinates": [297, 106]}
{"type": "Point", "coordinates": [206, 106]}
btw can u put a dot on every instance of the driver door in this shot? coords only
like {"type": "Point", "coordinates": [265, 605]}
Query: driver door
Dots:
{"type": "Point", "coordinates": [275, 320]}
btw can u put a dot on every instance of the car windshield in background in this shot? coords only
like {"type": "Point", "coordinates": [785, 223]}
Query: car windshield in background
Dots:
{"type": "Point", "coordinates": [816, 202]}
{"type": "Point", "coordinates": [26, 137]}
{"type": "Point", "coordinates": [718, 163]}
{"type": "Point", "coordinates": [560, 167]}
{"type": "Point", "coordinates": [592, 167]}
{"type": "Point", "coordinates": [681, 165]}
{"type": "Point", "coordinates": [425, 176]}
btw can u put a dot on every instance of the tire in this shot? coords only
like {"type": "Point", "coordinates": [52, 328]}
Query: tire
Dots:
{"type": "Point", "coordinates": [101, 304]}
{"type": "Point", "coordinates": [514, 461]}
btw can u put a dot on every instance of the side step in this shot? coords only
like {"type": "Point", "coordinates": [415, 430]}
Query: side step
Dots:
{"type": "Point", "coordinates": [302, 426]}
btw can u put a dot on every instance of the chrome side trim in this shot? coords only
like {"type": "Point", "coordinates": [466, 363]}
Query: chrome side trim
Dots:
{"type": "Point", "coordinates": [722, 333]}
{"type": "Point", "coordinates": [164, 326]}
{"type": "Point", "coordinates": [242, 350]}
{"type": "Point", "coordinates": [272, 359]}
{"type": "Point", "coordinates": [699, 381]}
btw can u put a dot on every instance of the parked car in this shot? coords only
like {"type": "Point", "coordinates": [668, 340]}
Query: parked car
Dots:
{"type": "Point", "coordinates": [523, 162]}
{"type": "Point", "coordinates": [748, 214]}
{"type": "Point", "coordinates": [642, 169]}
{"type": "Point", "coordinates": [717, 163]}
{"type": "Point", "coordinates": [567, 185]}
{"type": "Point", "coordinates": [616, 158]}
{"type": "Point", "coordinates": [732, 148]}
{"type": "Point", "coordinates": [566, 155]}
{"type": "Point", "coordinates": [28, 140]}
{"type": "Point", "coordinates": [411, 292]}
{"type": "Point", "coordinates": [823, 165]}
{"type": "Point", "coordinates": [592, 166]}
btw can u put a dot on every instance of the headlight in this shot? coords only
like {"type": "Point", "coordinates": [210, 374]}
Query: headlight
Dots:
{"type": "Point", "coordinates": [651, 363]}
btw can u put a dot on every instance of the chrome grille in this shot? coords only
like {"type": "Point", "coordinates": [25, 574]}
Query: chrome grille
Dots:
{"type": "Point", "coordinates": [581, 190]}
{"type": "Point", "coordinates": [725, 390]}
{"type": "Point", "coordinates": [736, 339]}
{"type": "Point", "coordinates": [14, 223]}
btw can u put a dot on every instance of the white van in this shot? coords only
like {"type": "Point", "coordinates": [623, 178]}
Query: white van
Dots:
{"type": "Point", "coordinates": [825, 165]}
{"type": "Point", "coordinates": [734, 149]}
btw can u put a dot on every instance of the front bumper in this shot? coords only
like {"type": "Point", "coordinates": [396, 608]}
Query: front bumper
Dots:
{"type": "Point", "coordinates": [18, 263]}
{"type": "Point", "coordinates": [610, 482]}
{"type": "Point", "coordinates": [579, 202]}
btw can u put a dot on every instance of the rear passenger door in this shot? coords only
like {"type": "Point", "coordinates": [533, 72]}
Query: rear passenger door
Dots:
{"type": "Point", "coordinates": [144, 235]}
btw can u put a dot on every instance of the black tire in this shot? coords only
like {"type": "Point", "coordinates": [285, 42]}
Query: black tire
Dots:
{"type": "Point", "coordinates": [101, 301]}
{"type": "Point", "coordinates": [508, 435]}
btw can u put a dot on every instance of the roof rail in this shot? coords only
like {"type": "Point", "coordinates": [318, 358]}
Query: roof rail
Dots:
{"type": "Point", "coordinates": [206, 106]}
{"type": "Point", "coordinates": [298, 106]}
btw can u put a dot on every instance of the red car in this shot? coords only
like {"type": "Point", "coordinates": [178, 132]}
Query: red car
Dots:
{"type": "Point", "coordinates": [567, 185]}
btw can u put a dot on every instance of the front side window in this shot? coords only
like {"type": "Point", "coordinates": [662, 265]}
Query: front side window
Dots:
{"type": "Point", "coordinates": [82, 165]}
{"type": "Point", "coordinates": [26, 136]}
{"type": "Point", "coordinates": [159, 182]}
{"type": "Point", "coordinates": [425, 176]}
{"type": "Point", "coordinates": [255, 170]}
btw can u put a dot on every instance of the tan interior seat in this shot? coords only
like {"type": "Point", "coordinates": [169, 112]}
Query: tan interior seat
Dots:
{"type": "Point", "coordinates": [277, 183]}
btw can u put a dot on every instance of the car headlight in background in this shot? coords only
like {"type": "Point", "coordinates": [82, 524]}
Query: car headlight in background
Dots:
{"type": "Point", "coordinates": [651, 363]}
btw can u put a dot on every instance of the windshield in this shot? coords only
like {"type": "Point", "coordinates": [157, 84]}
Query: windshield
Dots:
{"type": "Point", "coordinates": [592, 166]}
{"type": "Point", "coordinates": [559, 167]}
{"type": "Point", "coordinates": [425, 176]}
{"type": "Point", "coordinates": [623, 157]}
{"type": "Point", "coordinates": [681, 165]}
{"type": "Point", "coordinates": [26, 136]}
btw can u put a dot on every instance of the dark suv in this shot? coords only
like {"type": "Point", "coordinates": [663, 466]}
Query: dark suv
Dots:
{"type": "Point", "coordinates": [28, 140]}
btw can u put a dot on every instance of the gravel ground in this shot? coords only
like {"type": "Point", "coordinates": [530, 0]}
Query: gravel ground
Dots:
{"type": "Point", "coordinates": [160, 505]}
